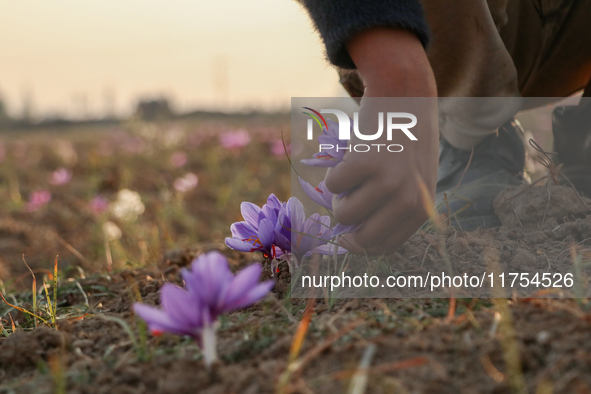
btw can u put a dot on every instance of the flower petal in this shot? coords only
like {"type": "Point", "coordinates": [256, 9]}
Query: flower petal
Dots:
{"type": "Point", "coordinates": [212, 274]}
{"type": "Point", "coordinates": [296, 214]}
{"type": "Point", "coordinates": [242, 230]}
{"type": "Point", "coordinates": [242, 283]}
{"type": "Point", "coordinates": [282, 241]}
{"type": "Point", "coordinates": [158, 320]}
{"type": "Point", "coordinates": [181, 306]}
{"type": "Point", "coordinates": [255, 294]}
{"type": "Point", "coordinates": [320, 162]}
{"type": "Point", "coordinates": [250, 213]}
{"type": "Point", "coordinates": [238, 244]}
{"type": "Point", "coordinates": [273, 201]}
{"type": "Point", "coordinates": [327, 249]}
{"type": "Point", "coordinates": [265, 233]}
{"type": "Point", "coordinates": [316, 194]}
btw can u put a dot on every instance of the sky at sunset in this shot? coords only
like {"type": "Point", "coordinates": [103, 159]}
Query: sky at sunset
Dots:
{"type": "Point", "coordinates": [85, 58]}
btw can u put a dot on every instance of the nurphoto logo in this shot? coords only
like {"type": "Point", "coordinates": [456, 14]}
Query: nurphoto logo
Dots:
{"type": "Point", "coordinates": [345, 125]}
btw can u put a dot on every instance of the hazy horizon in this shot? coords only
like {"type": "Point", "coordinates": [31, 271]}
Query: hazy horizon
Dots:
{"type": "Point", "coordinates": [90, 58]}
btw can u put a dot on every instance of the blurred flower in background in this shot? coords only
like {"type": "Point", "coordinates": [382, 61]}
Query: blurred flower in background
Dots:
{"type": "Point", "coordinates": [37, 200]}
{"type": "Point", "coordinates": [111, 231]}
{"type": "Point", "coordinates": [61, 176]}
{"type": "Point", "coordinates": [235, 139]}
{"type": "Point", "coordinates": [278, 150]}
{"type": "Point", "coordinates": [186, 183]}
{"type": "Point", "coordinates": [128, 205]}
{"type": "Point", "coordinates": [172, 137]}
{"type": "Point", "coordinates": [178, 159]}
{"type": "Point", "coordinates": [99, 204]}
{"type": "Point", "coordinates": [66, 151]}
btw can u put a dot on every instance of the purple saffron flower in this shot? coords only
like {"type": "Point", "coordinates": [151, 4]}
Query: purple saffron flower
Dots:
{"type": "Point", "coordinates": [182, 313]}
{"type": "Point", "coordinates": [329, 157]}
{"type": "Point", "coordinates": [210, 290]}
{"type": "Point", "coordinates": [320, 195]}
{"type": "Point", "coordinates": [219, 290]}
{"type": "Point", "coordinates": [256, 232]}
{"type": "Point", "coordinates": [37, 200]}
{"type": "Point", "coordinates": [306, 235]}
{"type": "Point", "coordinates": [61, 176]}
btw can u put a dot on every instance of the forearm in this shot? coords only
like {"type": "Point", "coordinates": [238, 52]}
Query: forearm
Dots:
{"type": "Point", "coordinates": [392, 63]}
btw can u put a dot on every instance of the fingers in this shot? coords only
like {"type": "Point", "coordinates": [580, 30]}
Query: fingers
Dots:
{"type": "Point", "coordinates": [347, 175]}
{"type": "Point", "coordinates": [406, 229]}
{"type": "Point", "coordinates": [347, 242]}
{"type": "Point", "coordinates": [386, 220]}
{"type": "Point", "coordinates": [354, 207]}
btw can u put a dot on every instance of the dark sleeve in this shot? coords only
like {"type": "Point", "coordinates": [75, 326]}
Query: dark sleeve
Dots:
{"type": "Point", "coordinates": [339, 20]}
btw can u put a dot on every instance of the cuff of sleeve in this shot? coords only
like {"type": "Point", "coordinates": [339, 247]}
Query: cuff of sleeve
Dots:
{"type": "Point", "coordinates": [339, 20]}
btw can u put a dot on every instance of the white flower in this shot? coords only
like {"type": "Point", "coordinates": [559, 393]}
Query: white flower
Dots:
{"type": "Point", "coordinates": [128, 205]}
{"type": "Point", "coordinates": [111, 231]}
{"type": "Point", "coordinates": [186, 183]}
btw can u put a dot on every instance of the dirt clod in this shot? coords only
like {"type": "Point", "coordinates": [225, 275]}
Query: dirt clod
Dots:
{"type": "Point", "coordinates": [527, 206]}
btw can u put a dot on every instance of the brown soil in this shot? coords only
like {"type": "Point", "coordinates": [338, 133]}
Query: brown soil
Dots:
{"type": "Point", "coordinates": [418, 349]}
{"type": "Point", "coordinates": [536, 238]}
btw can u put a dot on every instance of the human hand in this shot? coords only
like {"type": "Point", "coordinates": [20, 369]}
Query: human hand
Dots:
{"type": "Point", "coordinates": [383, 187]}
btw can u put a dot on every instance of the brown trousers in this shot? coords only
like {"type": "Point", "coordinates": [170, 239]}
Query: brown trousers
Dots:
{"type": "Point", "coordinates": [505, 49]}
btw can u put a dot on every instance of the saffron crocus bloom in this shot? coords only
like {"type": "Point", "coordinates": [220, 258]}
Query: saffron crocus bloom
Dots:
{"type": "Point", "coordinates": [307, 235]}
{"type": "Point", "coordinates": [329, 157]}
{"type": "Point", "coordinates": [218, 289]}
{"type": "Point", "coordinates": [61, 176]}
{"type": "Point", "coordinates": [320, 195]}
{"type": "Point", "coordinates": [37, 200]}
{"type": "Point", "coordinates": [235, 139]}
{"type": "Point", "coordinates": [210, 290]}
{"type": "Point", "coordinates": [257, 231]}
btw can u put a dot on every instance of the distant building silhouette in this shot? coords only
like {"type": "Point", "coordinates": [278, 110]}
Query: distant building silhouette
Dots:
{"type": "Point", "coordinates": [151, 110]}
